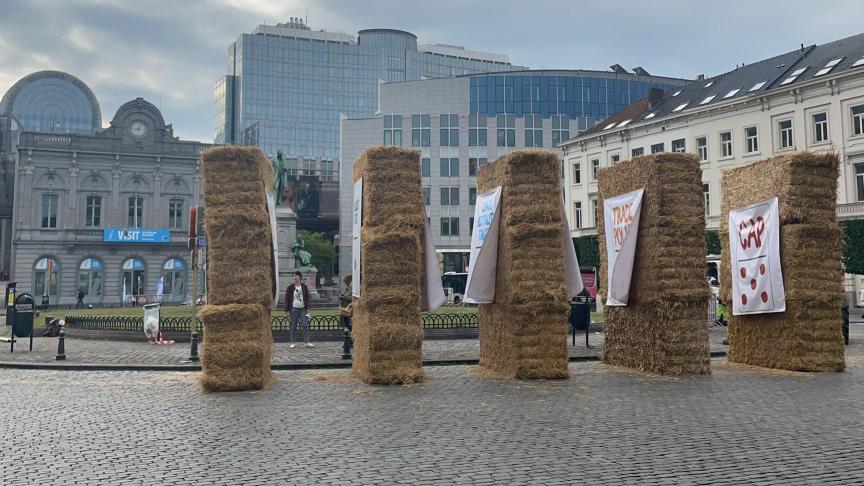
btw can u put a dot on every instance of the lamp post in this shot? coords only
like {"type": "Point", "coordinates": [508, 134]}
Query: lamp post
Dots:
{"type": "Point", "coordinates": [193, 248]}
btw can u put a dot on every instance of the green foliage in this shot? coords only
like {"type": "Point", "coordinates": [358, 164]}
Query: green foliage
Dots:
{"type": "Point", "coordinates": [853, 255]}
{"type": "Point", "coordinates": [588, 251]}
{"type": "Point", "coordinates": [322, 250]}
{"type": "Point", "coordinates": [712, 240]}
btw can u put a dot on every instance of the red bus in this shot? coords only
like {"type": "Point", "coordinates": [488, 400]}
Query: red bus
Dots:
{"type": "Point", "coordinates": [589, 280]}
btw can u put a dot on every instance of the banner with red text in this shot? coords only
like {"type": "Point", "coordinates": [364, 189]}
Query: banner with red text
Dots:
{"type": "Point", "coordinates": [621, 219]}
{"type": "Point", "coordinates": [754, 251]}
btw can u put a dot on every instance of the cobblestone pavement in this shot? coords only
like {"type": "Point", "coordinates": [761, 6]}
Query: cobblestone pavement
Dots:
{"type": "Point", "coordinates": [739, 425]}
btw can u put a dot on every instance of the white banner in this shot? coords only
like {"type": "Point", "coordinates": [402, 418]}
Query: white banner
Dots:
{"type": "Point", "coordinates": [621, 220]}
{"type": "Point", "coordinates": [356, 223]}
{"type": "Point", "coordinates": [482, 268]}
{"type": "Point", "coordinates": [433, 292]}
{"type": "Point", "coordinates": [571, 264]}
{"type": "Point", "coordinates": [271, 210]}
{"type": "Point", "coordinates": [754, 251]}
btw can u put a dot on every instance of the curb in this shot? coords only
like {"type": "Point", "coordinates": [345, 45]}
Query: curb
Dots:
{"type": "Point", "coordinates": [276, 367]}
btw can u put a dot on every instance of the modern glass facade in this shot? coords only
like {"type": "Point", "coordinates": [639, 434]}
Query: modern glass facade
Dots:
{"type": "Point", "coordinates": [287, 85]}
{"type": "Point", "coordinates": [53, 102]}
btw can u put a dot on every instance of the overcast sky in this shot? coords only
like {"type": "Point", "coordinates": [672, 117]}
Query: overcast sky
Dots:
{"type": "Point", "coordinates": [172, 52]}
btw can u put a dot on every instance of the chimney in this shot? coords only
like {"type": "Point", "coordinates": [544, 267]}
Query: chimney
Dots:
{"type": "Point", "coordinates": [655, 96]}
{"type": "Point", "coordinates": [701, 77]}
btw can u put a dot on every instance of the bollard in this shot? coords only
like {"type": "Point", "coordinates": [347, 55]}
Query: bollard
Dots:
{"type": "Point", "coordinates": [193, 353]}
{"type": "Point", "coordinates": [346, 345]}
{"type": "Point", "coordinates": [61, 346]}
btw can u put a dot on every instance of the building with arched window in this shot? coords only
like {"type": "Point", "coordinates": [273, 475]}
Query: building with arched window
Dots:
{"type": "Point", "coordinates": [105, 209]}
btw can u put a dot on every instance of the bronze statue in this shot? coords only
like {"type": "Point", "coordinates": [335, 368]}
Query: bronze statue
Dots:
{"type": "Point", "coordinates": [301, 257]}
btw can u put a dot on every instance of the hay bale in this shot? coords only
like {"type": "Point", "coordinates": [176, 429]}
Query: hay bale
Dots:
{"type": "Point", "coordinates": [523, 334]}
{"type": "Point", "coordinates": [240, 277]}
{"type": "Point", "coordinates": [663, 329]}
{"type": "Point", "coordinates": [235, 354]}
{"type": "Point", "coordinates": [239, 265]}
{"type": "Point", "coordinates": [807, 337]}
{"type": "Point", "coordinates": [388, 334]}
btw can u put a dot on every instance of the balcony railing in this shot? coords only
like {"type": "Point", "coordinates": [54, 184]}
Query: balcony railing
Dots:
{"type": "Point", "coordinates": [850, 210]}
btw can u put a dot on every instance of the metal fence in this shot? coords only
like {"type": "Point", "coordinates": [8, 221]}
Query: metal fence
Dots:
{"type": "Point", "coordinates": [279, 323]}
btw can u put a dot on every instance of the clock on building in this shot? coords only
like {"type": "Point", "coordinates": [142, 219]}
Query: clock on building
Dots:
{"type": "Point", "coordinates": [138, 129]}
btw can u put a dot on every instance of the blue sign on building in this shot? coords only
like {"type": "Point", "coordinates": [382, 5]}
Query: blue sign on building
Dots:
{"type": "Point", "coordinates": [136, 235]}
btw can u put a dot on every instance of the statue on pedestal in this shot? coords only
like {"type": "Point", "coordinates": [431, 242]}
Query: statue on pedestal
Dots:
{"type": "Point", "coordinates": [302, 258]}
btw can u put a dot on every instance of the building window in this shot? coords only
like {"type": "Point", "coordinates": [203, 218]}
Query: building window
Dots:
{"type": "Point", "coordinates": [678, 145]}
{"type": "Point", "coordinates": [425, 167]}
{"type": "Point", "coordinates": [449, 226]}
{"type": "Point", "coordinates": [46, 278]}
{"type": "Point", "coordinates": [820, 127]}
{"type": "Point", "coordinates": [174, 280]}
{"type": "Point", "coordinates": [427, 196]}
{"type": "Point", "coordinates": [533, 130]}
{"type": "Point", "coordinates": [472, 196]}
{"type": "Point", "coordinates": [637, 152]}
{"type": "Point", "coordinates": [560, 129]}
{"type": "Point", "coordinates": [858, 120]}
{"type": "Point", "coordinates": [615, 158]}
{"type": "Point", "coordinates": [136, 212]}
{"type": "Point", "coordinates": [90, 280]}
{"type": "Point", "coordinates": [577, 173]}
{"type": "Point", "coordinates": [420, 130]}
{"type": "Point", "coordinates": [859, 181]}
{"type": "Point", "coordinates": [175, 213]}
{"type": "Point", "coordinates": [751, 138]}
{"type": "Point", "coordinates": [49, 210]}
{"type": "Point", "coordinates": [725, 144]}
{"type": "Point", "coordinates": [449, 167]}
{"type": "Point", "coordinates": [786, 140]}
{"type": "Point", "coordinates": [93, 216]}
{"type": "Point", "coordinates": [133, 282]}
{"type": "Point", "coordinates": [577, 214]}
{"type": "Point", "coordinates": [595, 166]}
{"type": "Point", "coordinates": [476, 130]}
{"type": "Point", "coordinates": [506, 134]}
{"type": "Point", "coordinates": [706, 192]}
{"type": "Point", "coordinates": [656, 148]}
{"type": "Point", "coordinates": [449, 196]}
{"type": "Point", "coordinates": [702, 147]}
{"type": "Point", "coordinates": [470, 226]}
{"type": "Point", "coordinates": [393, 130]}
{"type": "Point", "coordinates": [594, 211]}
{"type": "Point", "coordinates": [473, 163]}
{"type": "Point", "coordinates": [449, 130]}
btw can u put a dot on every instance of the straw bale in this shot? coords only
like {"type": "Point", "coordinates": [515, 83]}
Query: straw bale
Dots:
{"type": "Point", "coordinates": [240, 278]}
{"type": "Point", "coordinates": [663, 327]}
{"type": "Point", "coordinates": [807, 336]}
{"type": "Point", "coordinates": [524, 333]}
{"type": "Point", "coordinates": [388, 334]}
{"type": "Point", "coordinates": [235, 354]}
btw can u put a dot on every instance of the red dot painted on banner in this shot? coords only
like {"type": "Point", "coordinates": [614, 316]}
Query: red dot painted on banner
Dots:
{"type": "Point", "coordinates": [743, 272]}
{"type": "Point", "coordinates": [753, 284]}
{"type": "Point", "coordinates": [765, 297]}
{"type": "Point", "coordinates": [743, 300]}
{"type": "Point", "coordinates": [762, 269]}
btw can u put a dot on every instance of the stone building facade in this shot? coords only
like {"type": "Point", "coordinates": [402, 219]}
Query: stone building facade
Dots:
{"type": "Point", "coordinates": [106, 213]}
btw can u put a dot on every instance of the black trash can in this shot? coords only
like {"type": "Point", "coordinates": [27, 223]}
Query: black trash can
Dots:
{"type": "Point", "coordinates": [22, 321]}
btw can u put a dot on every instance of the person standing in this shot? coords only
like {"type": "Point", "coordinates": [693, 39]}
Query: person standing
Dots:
{"type": "Point", "coordinates": [345, 300]}
{"type": "Point", "coordinates": [80, 303]}
{"type": "Point", "coordinates": [297, 307]}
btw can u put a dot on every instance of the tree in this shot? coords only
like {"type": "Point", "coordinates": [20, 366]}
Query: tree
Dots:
{"type": "Point", "coordinates": [322, 250]}
{"type": "Point", "coordinates": [712, 241]}
{"type": "Point", "coordinates": [853, 254]}
{"type": "Point", "coordinates": [587, 250]}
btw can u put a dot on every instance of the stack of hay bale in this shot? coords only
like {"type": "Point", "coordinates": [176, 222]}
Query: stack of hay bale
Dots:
{"type": "Point", "coordinates": [388, 333]}
{"type": "Point", "coordinates": [663, 329]}
{"type": "Point", "coordinates": [523, 334]}
{"type": "Point", "coordinates": [240, 270]}
{"type": "Point", "coordinates": [807, 337]}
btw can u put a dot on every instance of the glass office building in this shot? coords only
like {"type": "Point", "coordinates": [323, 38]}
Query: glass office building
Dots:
{"type": "Point", "coordinates": [461, 123]}
{"type": "Point", "coordinates": [287, 85]}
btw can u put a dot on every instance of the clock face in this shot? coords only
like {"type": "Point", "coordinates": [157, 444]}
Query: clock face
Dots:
{"type": "Point", "coordinates": [138, 129]}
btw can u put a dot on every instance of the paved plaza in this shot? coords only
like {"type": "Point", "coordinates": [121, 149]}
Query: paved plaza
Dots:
{"type": "Point", "coordinates": [740, 425]}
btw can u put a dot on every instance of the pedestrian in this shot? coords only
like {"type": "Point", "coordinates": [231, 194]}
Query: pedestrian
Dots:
{"type": "Point", "coordinates": [80, 303]}
{"type": "Point", "coordinates": [345, 301]}
{"type": "Point", "coordinates": [844, 309]}
{"type": "Point", "coordinates": [297, 307]}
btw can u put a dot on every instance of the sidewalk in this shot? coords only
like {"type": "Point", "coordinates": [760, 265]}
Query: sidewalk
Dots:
{"type": "Point", "coordinates": [85, 351]}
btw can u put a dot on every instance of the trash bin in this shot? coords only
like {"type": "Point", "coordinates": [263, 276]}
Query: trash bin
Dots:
{"type": "Point", "coordinates": [579, 312]}
{"type": "Point", "coordinates": [22, 323]}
